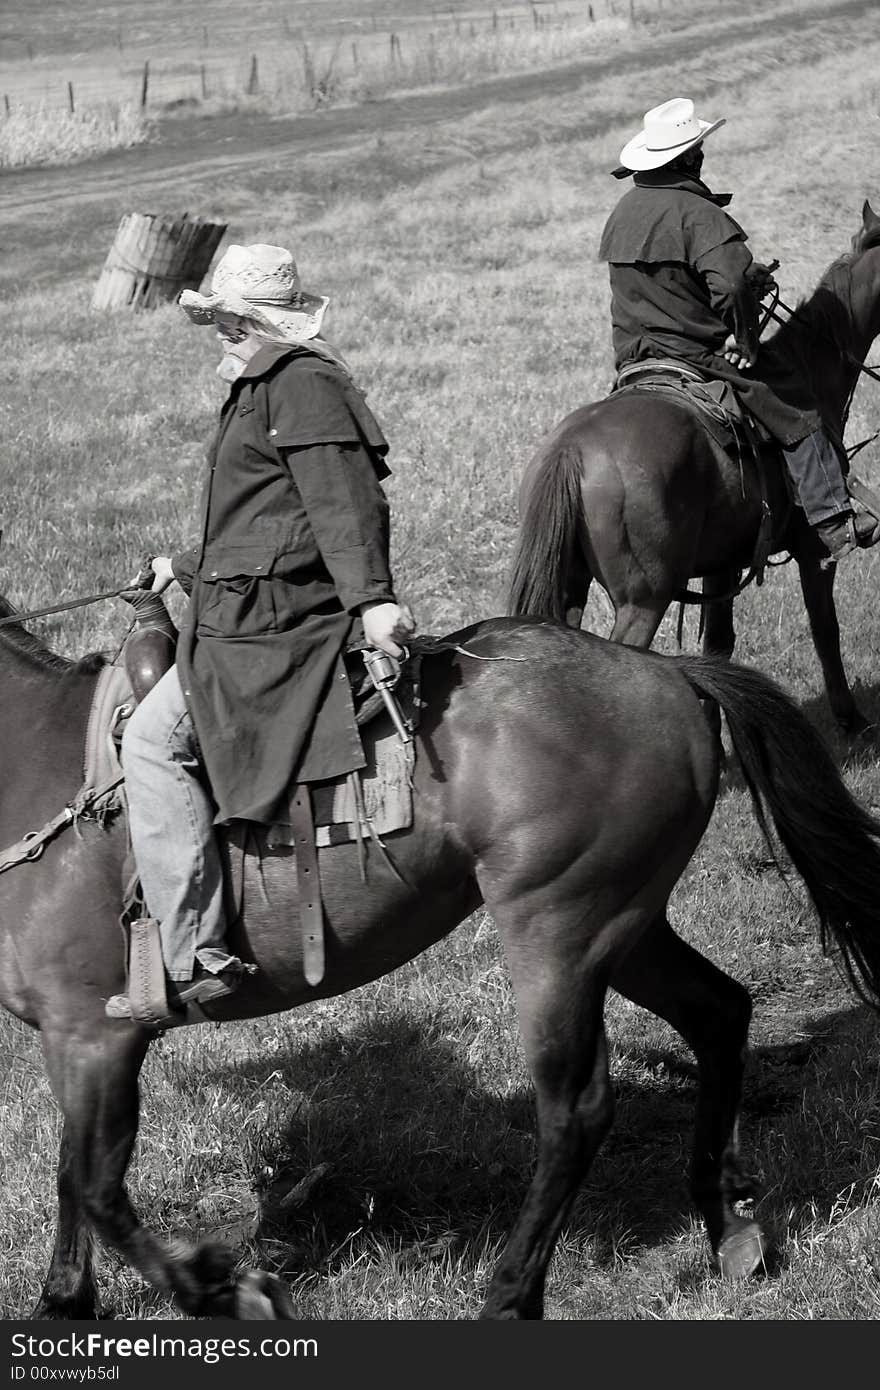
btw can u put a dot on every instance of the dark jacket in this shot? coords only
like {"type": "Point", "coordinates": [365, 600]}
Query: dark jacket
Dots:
{"type": "Point", "coordinates": [679, 270]}
{"type": "Point", "coordinates": [295, 537]}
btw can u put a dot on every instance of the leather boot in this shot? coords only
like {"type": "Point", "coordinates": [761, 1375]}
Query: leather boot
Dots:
{"type": "Point", "coordinates": [846, 532]}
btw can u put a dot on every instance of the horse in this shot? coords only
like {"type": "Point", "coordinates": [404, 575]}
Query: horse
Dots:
{"type": "Point", "coordinates": [561, 780]}
{"type": "Point", "coordinates": [632, 491]}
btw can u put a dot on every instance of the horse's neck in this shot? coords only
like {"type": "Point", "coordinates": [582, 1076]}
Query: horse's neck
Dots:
{"type": "Point", "coordinates": [838, 323]}
{"type": "Point", "coordinates": [46, 702]}
{"type": "Point", "coordinates": [865, 301]}
{"type": "Point", "coordinates": [810, 349]}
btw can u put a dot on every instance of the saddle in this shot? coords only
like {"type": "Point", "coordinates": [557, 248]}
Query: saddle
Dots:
{"type": "Point", "coordinates": [721, 413]}
{"type": "Point", "coordinates": [361, 806]}
{"type": "Point", "coordinates": [714, 401]}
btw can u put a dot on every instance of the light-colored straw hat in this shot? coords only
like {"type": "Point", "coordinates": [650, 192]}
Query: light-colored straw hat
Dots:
{"type": "Point", "coordinates": [261, 283]}
{"type": "Point", "coordinates": [668, 130]}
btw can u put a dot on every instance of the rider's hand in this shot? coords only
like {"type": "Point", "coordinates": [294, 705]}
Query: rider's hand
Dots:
{"type": "Point", "coordinates": [760, 278]}
{"type": "Point", "coordinates": [386, 625]}
{"type": "Point", "coordinates": [162, 574]}
{"type": "Point", "coordinates": [733, 353]}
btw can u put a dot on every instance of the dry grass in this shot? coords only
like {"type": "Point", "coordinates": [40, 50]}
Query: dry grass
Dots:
{"type": "Point", "coordinates": [44, 135]}
{"type": "Point", "coordinates": [465, 294]}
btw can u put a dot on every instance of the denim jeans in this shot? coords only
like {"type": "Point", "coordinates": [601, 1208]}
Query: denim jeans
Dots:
{"type": "Point", "coordinates": [815, 469]}
{"type": "Point", "coordinates": [171, 819]}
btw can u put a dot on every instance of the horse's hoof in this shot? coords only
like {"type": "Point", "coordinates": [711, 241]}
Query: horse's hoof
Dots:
{"type": "Point", "coordinates": [857, 728]}
{"type": "Point", "coordinates": [84, 1309]}
{"type": "Point", "coordinates": [262, 1297]}
{"type": "Point", "coordinates": [744, 1252]}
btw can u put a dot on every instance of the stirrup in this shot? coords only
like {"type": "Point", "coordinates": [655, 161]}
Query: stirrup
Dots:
{"type": "Point", "coordinates": [184, 1000]}
{"type": "Point", "coordinates": [843, 534]}
{"type": "Point", "coordinates": [147, 995]}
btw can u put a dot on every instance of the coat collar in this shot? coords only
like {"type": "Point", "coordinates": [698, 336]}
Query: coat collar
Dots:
{"type": "Point", "coordinates": [263, 361]}
{"type": "Point", "coordinates": [266, 357]}
{"type": "Point", "coordinates": [664, 178]}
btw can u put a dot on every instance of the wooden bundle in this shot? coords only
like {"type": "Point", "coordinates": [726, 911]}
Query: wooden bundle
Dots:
{"type": "Point", "coordinates": [153, 258]}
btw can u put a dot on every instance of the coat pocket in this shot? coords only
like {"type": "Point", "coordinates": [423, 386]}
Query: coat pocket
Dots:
{"type": "Point", "coordinates": [235, 591]}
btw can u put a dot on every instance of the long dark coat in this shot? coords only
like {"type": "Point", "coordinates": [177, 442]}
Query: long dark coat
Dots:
{"type": "Point", "coordinates": [295, 537]}
{"type": "Point", "coordinates": [679, 267]}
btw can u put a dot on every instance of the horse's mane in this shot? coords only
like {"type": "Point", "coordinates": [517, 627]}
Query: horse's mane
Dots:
{"type": "Point", "coordinates": [31, 646]}
{"type": "Point", "coordinates": [826, 314]}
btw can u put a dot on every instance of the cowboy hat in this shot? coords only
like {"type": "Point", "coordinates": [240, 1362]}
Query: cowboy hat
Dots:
{"type": "Point", "coordinates": [260, 283]}
{"type": "Point", "coordinates": [668, 130]}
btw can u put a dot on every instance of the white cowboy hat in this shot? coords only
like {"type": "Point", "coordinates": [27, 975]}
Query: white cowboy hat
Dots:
{"type": "Point", "coordinates": [668, 130]}
{"type": "Point", "coordinates": [260, 283]}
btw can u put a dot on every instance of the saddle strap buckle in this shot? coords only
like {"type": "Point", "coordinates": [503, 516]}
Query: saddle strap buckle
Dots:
{"type": "Point", "coordinates": [38, 848]}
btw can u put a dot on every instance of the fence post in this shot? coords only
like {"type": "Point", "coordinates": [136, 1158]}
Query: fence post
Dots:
{"type": "Point", "coordinates": [6, 104]}
{"type": "Point", "coordinates": [70, 97]}
{"type": "Point", "coordinates": [253, 81]}
{"type": "Point", "coordinates": [153, 258]}
{"type": "Point", "coordinates": [145, 82]}
{"type": "Point", "coordinates": [204, 78]}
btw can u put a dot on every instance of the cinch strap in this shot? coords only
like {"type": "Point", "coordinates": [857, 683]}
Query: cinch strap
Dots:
{"type": "Point", "coordinates": [311, 914]}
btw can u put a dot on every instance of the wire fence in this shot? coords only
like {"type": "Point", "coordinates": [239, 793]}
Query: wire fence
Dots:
{"type": "Point", "coordinates": [192, 69]}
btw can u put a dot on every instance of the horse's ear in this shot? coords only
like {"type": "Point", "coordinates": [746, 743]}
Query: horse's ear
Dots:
{"type": "Point", "coordinates": [870, 220]}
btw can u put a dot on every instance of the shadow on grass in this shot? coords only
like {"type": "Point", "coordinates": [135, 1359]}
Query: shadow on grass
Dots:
{"type": "Point", "coordinates": [395, 1144]}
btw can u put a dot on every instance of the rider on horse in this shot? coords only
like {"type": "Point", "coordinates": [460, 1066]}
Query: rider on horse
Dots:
{"type": "Point", "coordinates": [291, 567]}
{"type": "Point", "coordinates": [684, 286]}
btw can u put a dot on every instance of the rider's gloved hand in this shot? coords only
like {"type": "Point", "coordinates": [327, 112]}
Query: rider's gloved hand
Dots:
{"type": "Point", "coordinates": [386, 625]}
{"type": "Point", "coordinates": [760, 278]}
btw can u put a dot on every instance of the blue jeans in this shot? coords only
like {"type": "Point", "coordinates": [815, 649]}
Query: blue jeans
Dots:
{"type": "Point", "coordinates": [171, 817]}
{"type": "Point", "coordinates": [818, 477]}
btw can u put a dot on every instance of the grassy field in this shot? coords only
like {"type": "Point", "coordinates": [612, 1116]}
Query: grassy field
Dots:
{"type": "Point", "coordinates": [459, 254]}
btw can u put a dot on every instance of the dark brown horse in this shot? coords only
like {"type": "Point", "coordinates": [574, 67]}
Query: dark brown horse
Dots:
{"type": "Point", "coordinates": [633, 492]}
{"type": "Point", "coordinates": [561, 780]}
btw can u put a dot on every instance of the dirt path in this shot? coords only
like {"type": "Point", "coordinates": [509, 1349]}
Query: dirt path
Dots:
{"type": "Point", "coordinates": [193, 149]}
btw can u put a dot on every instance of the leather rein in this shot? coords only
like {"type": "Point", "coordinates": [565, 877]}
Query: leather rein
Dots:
{"type": "Point", "coordinates": [63, 607]}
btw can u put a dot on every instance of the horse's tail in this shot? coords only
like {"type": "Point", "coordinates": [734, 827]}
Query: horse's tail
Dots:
{"type": "Point", "coordinates": [547, 536]}
{"type": "Point", "coordinates": [833, 842]}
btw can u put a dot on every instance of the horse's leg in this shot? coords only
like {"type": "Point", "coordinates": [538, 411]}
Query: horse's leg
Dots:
{"type": "Point", "coordinates": [817, 586]}
{"type": "Point", "coordinates": [577, 587]}
{"type": "Point", "coordinates": [719, 637]}
{"type": "Point", "coordinates": [69, 1290]}
{"type": "Point", "coordinates": [559, 1002]}
{"type": "Point", "coordinates": [636, 621]}
{"type": "Point", "coordinates": [94, 1077]}
{"type": "Point", "coordinates": [711, 1011]}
